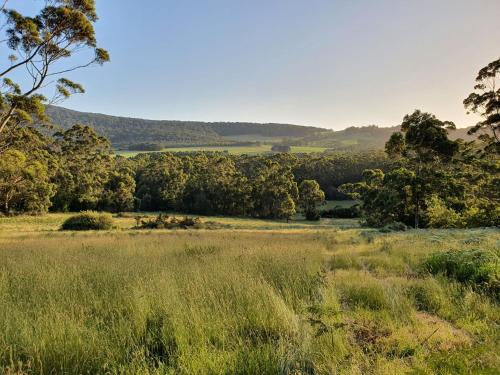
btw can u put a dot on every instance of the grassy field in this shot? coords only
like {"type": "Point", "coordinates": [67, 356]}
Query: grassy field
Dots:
{"type": "Point", "coordinates": [255, 297]}
{"type": "Point", "coordinates": [237, 150]}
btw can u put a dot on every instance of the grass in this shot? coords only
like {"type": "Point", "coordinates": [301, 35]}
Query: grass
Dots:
{"type": "Point", "coordinates": [253, 298]}
{"type": "Point", "coordinates": [236, 150]}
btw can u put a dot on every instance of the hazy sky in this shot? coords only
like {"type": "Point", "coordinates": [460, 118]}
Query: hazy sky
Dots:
{"type": "Point", "coordinates": [326, 63]}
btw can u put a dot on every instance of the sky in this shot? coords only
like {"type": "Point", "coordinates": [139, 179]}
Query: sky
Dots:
{"type": "Point", "coordinates": [326, 63]}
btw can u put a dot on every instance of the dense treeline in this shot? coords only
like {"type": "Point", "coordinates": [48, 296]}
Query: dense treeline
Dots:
{"type": "Point", "coordinates": [75, 170]}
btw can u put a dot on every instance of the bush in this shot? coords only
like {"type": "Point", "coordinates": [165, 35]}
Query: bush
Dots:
{"type": "Point", "coordinates": [88, 220]}
{"type": "Point", "coordinates": [477, 268]}
{"type": "Point", "coordinates": [441, 216]}
{"type": "Point", "coordinates": [312, 215]}
{"type": "Point", "coordinates": [166, 222]}
{"type": "Point", "coordinates": [342, 212]}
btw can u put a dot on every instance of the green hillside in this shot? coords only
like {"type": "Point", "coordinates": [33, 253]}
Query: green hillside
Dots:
{"type": "Point", "coordinates": [134, 134]}
{"type": "Point", "coordinates": [124, 131]}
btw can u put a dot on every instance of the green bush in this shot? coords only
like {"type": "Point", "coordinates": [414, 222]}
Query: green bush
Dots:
{"type": "Point", "coordinates": [88, 220]}
{"type": "Point", "coordinates": [441, 216]}
{"type": "Point", "coordinates": [475, 267]}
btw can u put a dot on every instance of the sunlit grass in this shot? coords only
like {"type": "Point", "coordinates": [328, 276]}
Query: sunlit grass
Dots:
{"type": "Point", "coordinates": [257, 300]}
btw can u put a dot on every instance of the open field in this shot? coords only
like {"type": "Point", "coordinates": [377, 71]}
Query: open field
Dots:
{"type": "Point", "coordinates": [237, 150]}
{"type": "Point", "coordinates": [254, 298]}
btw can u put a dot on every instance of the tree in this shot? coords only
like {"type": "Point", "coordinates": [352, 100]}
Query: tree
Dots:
{"type": "Point", "coordinates": [215, 186]}
{"type": "Point", "coordinates": [85, 162]}
{"type": "Point", "coordinates": [310, 197]}
{"type": "Point", "coordinates": [40, 45]}
{"type": "Point", "coordinates": [274, 191]}
{"type": "Point", "coordinates": [423, 147]}
{"type": "Point", "coordinates": [24, 184]}
{"type": "Point", "coordinates": [485, 101]}
{"type": "Point", "coordinates": [160, 183]}
{"type": "Point", "coordinates": [118, 195]}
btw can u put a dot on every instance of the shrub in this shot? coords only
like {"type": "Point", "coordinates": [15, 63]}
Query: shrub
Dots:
{"type": "Point", "coordinates": [312, 215]}
{"type": "Point", "coordinates": [88, 220]}
{"type": "Point", "coordinates": [475, 267]}
{"type": "Point", "coordinates": [342, 212]}
{"type": "Point", "coordinates": [166, 222]}
{"type": "Point", "coordinates": [441, 216]}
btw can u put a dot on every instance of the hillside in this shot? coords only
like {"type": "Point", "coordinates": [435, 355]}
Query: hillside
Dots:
{"type": "Point", "coordinates": [125, 131]}
{"type": "Point", "coordinates": [140, 134]}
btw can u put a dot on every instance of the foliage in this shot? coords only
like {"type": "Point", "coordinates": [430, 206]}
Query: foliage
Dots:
{"type": "Point", "coordinates": [215, 186]}
{"type": "Point", "coordinates": [475, 267]}
{"type": "Point", "coordinates": [160, 182]}
{"type": "Point", "coordinates": [434, 182]}
{"type": "Point", "coordinates": [88, 220]}
{"type": "Point", "coordinates": [166, 222]}
{"type": "Point", "coordinates": [24, 184]}
{"type": "Point", "coordinates": [84, 159]}
{"type": "Point", "coordinates": [42, 46]}
{"type": "Point", "coordinates": [342, 212]}
{"type": "Point", "coordinates": [334, 169]}
{"type": "Point", "coordinates": [485, 101]}
{"type": "Point", "coordinates": [310, 197]}
{"type": "Point", "coordinates": [441, 216]}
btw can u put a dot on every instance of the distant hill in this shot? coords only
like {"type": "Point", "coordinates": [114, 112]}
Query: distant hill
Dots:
{"type": "Point", "coordinates": [363, 138]}
{"type": "Point", "coordinates": [141, 134]}
{"type": "Point", "coordinates": [125, 131]}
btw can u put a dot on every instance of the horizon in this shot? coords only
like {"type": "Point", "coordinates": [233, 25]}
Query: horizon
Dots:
{"type": "Point", "coordinates": [327, 64]}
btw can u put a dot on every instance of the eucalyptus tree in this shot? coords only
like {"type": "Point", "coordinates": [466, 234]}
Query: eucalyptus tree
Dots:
{"type": "Point", "coordinates": [310, 197]}
{"type": "Point", "coordinates": [423, 147]}
{"type": "Point", "coordinates": [42, 49]}
{"type": "Point", "coordinates": [485, 101]}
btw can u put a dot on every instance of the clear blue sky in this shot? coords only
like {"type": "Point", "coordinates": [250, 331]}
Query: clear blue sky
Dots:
{"type": "Point", "coordinates": [327, 63]}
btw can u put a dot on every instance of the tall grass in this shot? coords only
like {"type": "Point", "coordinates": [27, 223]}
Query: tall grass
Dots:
{"type": "Point", "coordinates": [241, 302]}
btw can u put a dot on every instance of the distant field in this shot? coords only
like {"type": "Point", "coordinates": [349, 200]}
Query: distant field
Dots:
{"type": "Point", "coordinates": [257, 297]}
{"type": "Point", "coordinates": [250, 150]}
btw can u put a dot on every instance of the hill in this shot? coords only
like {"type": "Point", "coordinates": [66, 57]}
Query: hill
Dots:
{"type": "Point", "coordinates": [362, 138]}
{"type": "Point", "coordinates": [149, 135]}
{"type": "Point", "coordinates": [124, 131]}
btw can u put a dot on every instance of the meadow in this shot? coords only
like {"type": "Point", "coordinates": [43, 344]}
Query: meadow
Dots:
{"type": "Point", "coordinates": [235, 150]}
{"type": "Point", "coordinates": [254, 297]}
